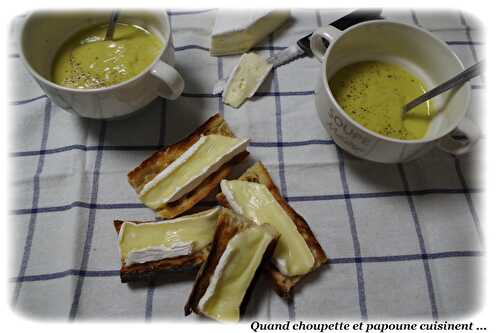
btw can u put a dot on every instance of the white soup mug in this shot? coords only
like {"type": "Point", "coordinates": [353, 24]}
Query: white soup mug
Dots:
{"type": "Point", "coordinates": [418, 51]}
{"type": "Point", "coordinates": [43, 33]}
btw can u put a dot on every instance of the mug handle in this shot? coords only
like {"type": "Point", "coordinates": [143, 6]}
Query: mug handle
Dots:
{"type": "Point", "coordinates": [454, 146]}
{"type": "Point", "coordinates": [172, 82]}
{"type": "Point", "coordinates": [328, 33]}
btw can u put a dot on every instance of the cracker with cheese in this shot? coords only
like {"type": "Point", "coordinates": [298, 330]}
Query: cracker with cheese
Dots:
{"type": "Point", "coordinates": [179, 176]}
{"type": "Point", "coordinates": [224, 283]}
{"type": "Point", "coordinates": [149, 249]}
{"type": "Point", "coordinates": [297, 253]}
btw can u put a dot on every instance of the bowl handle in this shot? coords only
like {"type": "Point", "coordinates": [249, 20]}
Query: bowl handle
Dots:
{"type": "Point", "coordinates": [173, 83]}
{"type": "Point", "coordinates": [462, 139]}
{"type": "Point", "coordinates": [328, 33]}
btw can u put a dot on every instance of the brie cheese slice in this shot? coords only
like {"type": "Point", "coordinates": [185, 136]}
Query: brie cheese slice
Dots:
{"type": "Point", "coordinates": [234, 273]}
{"type": "Point", "coordinates": [292, 255]}
{"type": "Point", "coordinates": [236, 32]}
{"type": "Point", "coordinates": [151, 241]}
{"type": "Point", "coordinates": [188, 171]}
{"type": "Point", "coordinates": [245, 79]}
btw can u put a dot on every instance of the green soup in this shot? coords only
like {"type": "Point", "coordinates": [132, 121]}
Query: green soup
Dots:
{"type": "Point", "coordinates": [373, 94]}
{"type": "Point", "coordinates": [87, 61]}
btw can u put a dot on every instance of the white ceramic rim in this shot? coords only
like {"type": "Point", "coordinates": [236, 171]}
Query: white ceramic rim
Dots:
{"type": "Point", "coordinates": [92, 90]}
{"type": "Point", "coordinates": [361, 127]}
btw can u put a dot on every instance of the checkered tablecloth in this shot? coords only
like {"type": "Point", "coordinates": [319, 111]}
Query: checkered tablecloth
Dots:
{"type": "Point", "coordinates": [402, 240]}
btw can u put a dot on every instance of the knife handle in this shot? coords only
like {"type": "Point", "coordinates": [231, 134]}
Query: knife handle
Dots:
{"type": "Point", "coordinates": [347, 21]}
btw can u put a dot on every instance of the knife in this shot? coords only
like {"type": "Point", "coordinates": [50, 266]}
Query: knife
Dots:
{"type": "Point", "coordinates": [302, 46]}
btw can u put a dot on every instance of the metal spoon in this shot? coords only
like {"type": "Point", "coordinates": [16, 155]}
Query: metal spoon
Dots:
{"type": "Point", "coordinates": [112, 24]}
{"type": "Point", "coordinates": [455, 81]}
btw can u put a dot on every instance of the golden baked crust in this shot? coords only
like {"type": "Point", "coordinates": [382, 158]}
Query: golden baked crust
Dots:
{"type": "Point", "coordinates": [282, 284]}
{"type": "Point", "coordinates": [228, 225]}
{"type": "Point", "coordinates": [149, 168]}
{"type": "Point", "coordinates": [151, 270]}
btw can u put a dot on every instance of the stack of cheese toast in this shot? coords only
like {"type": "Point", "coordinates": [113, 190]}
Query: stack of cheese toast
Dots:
{"type": "Point", "coordinates": [255, 231]}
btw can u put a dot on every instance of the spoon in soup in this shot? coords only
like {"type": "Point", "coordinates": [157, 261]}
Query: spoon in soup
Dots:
{"type": "Point", "coordinates": [455, 81]}
{"type": "Point", "coordinates": [113, 19]}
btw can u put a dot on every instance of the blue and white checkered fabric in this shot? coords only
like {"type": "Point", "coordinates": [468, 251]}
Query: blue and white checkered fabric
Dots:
{"type": "Point", "coordinates": [403, 240]}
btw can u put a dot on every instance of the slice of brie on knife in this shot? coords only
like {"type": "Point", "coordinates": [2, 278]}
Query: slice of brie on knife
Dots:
{"type": "Point", "coordinates": [245, 79]}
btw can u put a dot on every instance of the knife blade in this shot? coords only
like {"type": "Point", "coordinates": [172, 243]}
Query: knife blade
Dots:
{"type": "Point", "coordinates": [303, 48]}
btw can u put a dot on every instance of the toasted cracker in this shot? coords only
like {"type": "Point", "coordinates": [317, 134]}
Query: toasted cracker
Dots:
{"type": "Point", "coordinates": [149, 168]}
{"type": "Point", "coordinates": [228, 225]}
{"type": "Point", "coordinates": [282, 283]}
{"type": "Point", "coordinates": [151, 270]}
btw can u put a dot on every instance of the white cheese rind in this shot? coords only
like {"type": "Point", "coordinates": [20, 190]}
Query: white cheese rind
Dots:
{"type": "Point", "coordinates": [153, 253]}
{"type": "Point", "coordinates": [281, 265]}
{"type": "Point", "coordinates": [230, 197]}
